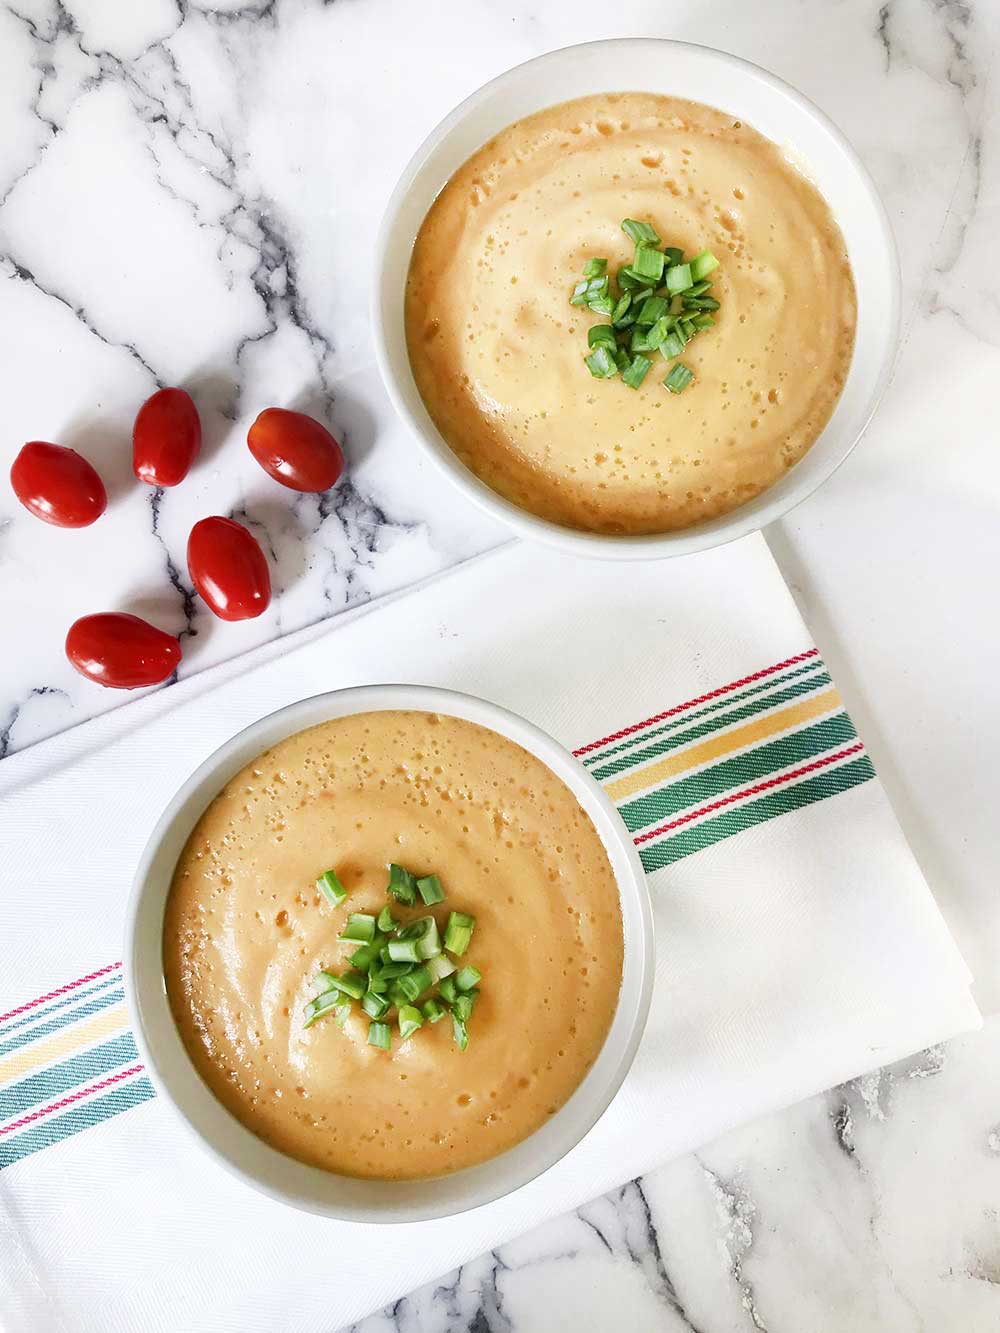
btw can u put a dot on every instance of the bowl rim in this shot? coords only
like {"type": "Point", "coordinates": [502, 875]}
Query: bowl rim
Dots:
{"type": "Point", "coordinates": [159, 1042]}
{"type": "Point", "coordinates": [685, 541]}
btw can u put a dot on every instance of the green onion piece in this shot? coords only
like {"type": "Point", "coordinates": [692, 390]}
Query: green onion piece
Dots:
{"type": "Point", "coordinates": [458, 933]}
{"type": "Point", "coordinates": [409, 1020]}
{"type": "Point", "coordinates": [432, 1011]}
{"type": "Point", "coordinates": [396, 996]}
{"type": "Point", "coordinates": [404, 951]}
{"type": "Point", "coordinates": [334, 1004]}
{"type": "Point", "coordinates": [679, 378]}
{"type": "Point", "coordinates": [660, 330]}
{"type": "Point", "coordinates": [379, 1035]}
{"type": "Point", "coordinates": [672, 345]}
{"type": "Point", "coordinates": [601, 363]}
{"type": "Point", "coordinates": [378, 982]}
{"type": "Point", "coordinates": [462, 1008]}
{"type": "Point", "coordinates": [596, 334]}
{"type": "Point", "coordinates": [702, 265]}
{"type": "Point", "coordinates": [703, 321]}
{"type": "Point", "coordinates": [641, 233]}
{"type": "Point", "coordinates": [351, 983]}
{"type": "Point", "coordinates": [653, 308]}
{"type": "Point", "coordinates": [598, 286]}
{"type": "Point", "coordinates": [602, 305]}
{"type": "Point", "coordinates": [360, 926]}
{"type": "Point", "coordinates": [699, 289]}
{"type": "Point", "coordinates": [414, 983]}
{"type": "Point", "coordinates": [374, 1005]}
{"type": "Point", "coordinates": [392, 971]}
{"type": "Point", "coordinates": [648, 264]}
{"type": "Point", "coordinates": [621, 309]}
{"type": "Point", "coordinates": [386, 922]}
{"type": "Point", "coordinates": [672, 254]}
{"type": "Point", "coordinates": [579, 294]}
{"type": "Point", "coordinates": [595, 268]}
{"type": "Point", "coordinates": [468, 977]}
{"type": "Point", "coordinates": [449, 991]}
{"type": "Point", "coordinates": [460, 1031]}
{"type": "Point", "coordinates": [622, 359]}
{"type": "Point", "coordinates": [440, 967]}
{"type": "Point", "coordinates": [678, 278]}
{"type": "Point", "coordinates": [383, 954]}
{"type": "Point", "coordinates": [363, 958]}
{"type": "Point", "coordinates": [402, 885]}
{"type": "Point", "coordinates": [687, 327]}
{"type": "Point", "coordinates": [634, 375]}
{"type": "Point", "coordinates": [700, 302]}
{"type": "Point", "coordinates": [323, 981]}
{"type": "Point", "coordinates": [430, 890]}
{"type": "Point", "coordinates": [629, 280]}
{"type": "Point", "coordinates": [640, 341]}
{"type": "Point", "coordinates": [331, 888]}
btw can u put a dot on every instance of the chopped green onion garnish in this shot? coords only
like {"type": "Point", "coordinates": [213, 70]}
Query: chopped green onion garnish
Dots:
{"type": "Point", "coordinates": [579, 296]}
{"type": "Point", "coordinates": [461, 1032]}
{"type": "Point", "coordinates": [619, 316]}
{"type": "Point", "coordinates": [396, 996]}
{"type": "Point", "coordinates": [672, 254]}
{"type": "Point", "coordinates": [679, 378]}
{"type": "Point", "coordinates": [598, 286]}
{"type": "Point", "coordinates": [333, 1003]}
{"type": "Point", "coordinates": [640, 341]}
{"type": "Point", "coordinates": [379, 1035]}
{"type": "Point", "coordinates": [622, 359]}
{"type": "Point", "coordinates": [629, 280]}
{"type": "Point", "coordinates": [331, 888]}
{"type": "Point", "coordinates": [374, 1005]}
{"type": "Point", "coordinates": [404, 951]}
{"type": "Point", "coordinates": [360, 926]}
{"type": "Point", "coordinates": [672, 345]}
{"type": "Point", "coordinates": [648, 263]}
{"type": "Point", "coordinates": [402, 885]}
{"type": "Point", "coordinates": [351, 983]}
{"type": "Point", "coordinates": [700, 302]}
{"type": "Point", "coordinates": [440, 967]}
{"type": "Point", "coordinates": [602, 305]}
{"type": "Point", "coordinates": [430, 889]}
{"type": "Point", "coordinates": [702, 265]}
{"type": "Point", "coordinates": [432, 1011]}
{"type": "Point", "coordinates": [641, 233]}
{"type": "Point", "coordinates": [386, 922]}
{"type": "Point", "coordinates": [449, 991]}
{"type": "Point", "coordinates": [601, 363]}
{"type": "Point", "coordinates": [636, 372]}
{"type": "Point", "coordinates": [699, 289]}
{"type": "Point", "coordinates": [323, 981]}
{"type": "Point", "coordinates": [409, 1020]}
{"type": "Point", "coordinates": [392, 971]}
{"type": "Point", "coordinates": [595, 268]}
{"type": "Point", "coordinates": [468, 977]}
{"type": "Point", "coordinates": [414, 983]}
{"type": "Point", "coordinates": [458, 933]}
{"type": "Point", "coordinates": [378, 983]}
{"type": "Point", "coordinates": [687, 327]}
{"type": "Point", "coordinates": [660, 330]}
{"type": "Point", "coordinates": [678, 278]}
{"type": "Point", "coordinates": [653, 308]}
{"type": "Point", "coordinates": [703, 321]}
{"type": "Point", "coordinates": [462, 1008]}
{"type": "Point", "coordinates": [363, 958]}
{"type": "Point", "coordinates": [596, 334]}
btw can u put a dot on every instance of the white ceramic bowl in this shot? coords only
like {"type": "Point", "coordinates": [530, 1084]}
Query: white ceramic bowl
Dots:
{"type": "Point", "coordinates": [308, 1187]}
{"type": "Point", "coordinates": [703, 75]}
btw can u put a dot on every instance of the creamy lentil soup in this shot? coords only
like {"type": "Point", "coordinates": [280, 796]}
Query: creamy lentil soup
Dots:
{"type": "Point", "coordinates": [496, 349]}
{"type": "Point", "coordinates": [246, 930]}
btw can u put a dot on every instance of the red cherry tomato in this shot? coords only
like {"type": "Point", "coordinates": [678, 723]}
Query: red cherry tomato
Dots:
{"type": "Point", "coordinates": [121, 651]}
{"type": "Point", "coordinates": [166, 438]}
{"type": "Point", "coordinates": [295, 450]}
{"type": "Point", "coordinates": [228, 568]}
{"type": "Point", "coordinates": [58, 485]}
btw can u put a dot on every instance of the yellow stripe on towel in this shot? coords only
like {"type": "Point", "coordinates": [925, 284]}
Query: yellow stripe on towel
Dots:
{"type": "Point", "coordinates": [63, 1043]}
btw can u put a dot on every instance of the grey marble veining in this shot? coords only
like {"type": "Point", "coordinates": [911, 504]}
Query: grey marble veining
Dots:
{"type": "Point", "coordinates": [188, 194]}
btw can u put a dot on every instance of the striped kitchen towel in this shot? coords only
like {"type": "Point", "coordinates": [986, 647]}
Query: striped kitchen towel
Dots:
{"type": "Point", "coordinates": [797, 943]}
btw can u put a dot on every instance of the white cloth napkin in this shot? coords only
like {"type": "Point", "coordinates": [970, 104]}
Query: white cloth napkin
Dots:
{"type": "Point", "coordinates": [794, 952]}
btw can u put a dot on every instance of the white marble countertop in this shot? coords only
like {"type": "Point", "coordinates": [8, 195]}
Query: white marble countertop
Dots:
{"type": "Point", "coordinates": [188, 194]}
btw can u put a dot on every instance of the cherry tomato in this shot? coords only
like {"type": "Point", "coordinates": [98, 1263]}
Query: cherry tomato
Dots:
{"type": "Point", "coordinates": [166, 438]}
{"type": "Point", "coordinates": [228, 568]}
{"type": "Point", "coordinates": [121, 651]}
{"type": "Point", "coordinates": [295, 450]}
{"type": "Point", "coordinates": [58, 485]}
